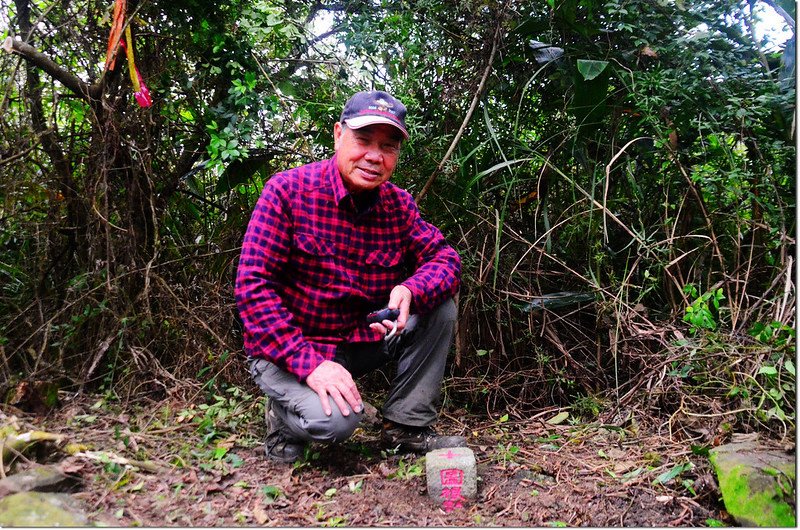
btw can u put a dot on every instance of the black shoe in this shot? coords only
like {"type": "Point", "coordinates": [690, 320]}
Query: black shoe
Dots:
{"type": "Point", "coordinates": [417, 439]}
{"type": "Point", "coordinates": [282, 450]}
{"type": "Point", "coordinates": [278, 446]}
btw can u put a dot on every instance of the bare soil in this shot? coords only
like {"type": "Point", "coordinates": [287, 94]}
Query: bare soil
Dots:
{"type": "Point", "coordinates": [191, 465]}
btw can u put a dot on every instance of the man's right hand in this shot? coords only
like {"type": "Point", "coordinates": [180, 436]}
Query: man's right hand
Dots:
{"type": "Point", "coordinates": [332, 379]}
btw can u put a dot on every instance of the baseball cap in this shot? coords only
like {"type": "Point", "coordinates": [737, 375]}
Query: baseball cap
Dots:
{"type": "Point", "coordinates": [374, 106]}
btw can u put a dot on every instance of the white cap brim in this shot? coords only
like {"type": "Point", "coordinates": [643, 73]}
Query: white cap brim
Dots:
{"type": "Point", "coordinates": [363, 121]}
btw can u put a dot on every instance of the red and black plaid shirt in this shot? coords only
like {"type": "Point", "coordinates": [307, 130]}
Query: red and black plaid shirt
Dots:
{"type": "Point", "coordinates": [312, 266]}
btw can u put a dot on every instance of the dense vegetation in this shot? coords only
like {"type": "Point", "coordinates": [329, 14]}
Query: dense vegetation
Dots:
{"type": "Point", "coordinates": [617, 176]}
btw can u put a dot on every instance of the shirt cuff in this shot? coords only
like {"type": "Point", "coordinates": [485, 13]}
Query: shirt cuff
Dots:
{"type": "Point", "coordinates": [308, 360]}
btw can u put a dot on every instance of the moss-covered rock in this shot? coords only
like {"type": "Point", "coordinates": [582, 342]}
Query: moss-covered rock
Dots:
{"type": "Point", "coordinates": [757, 484]}
{"type": "Point", "coordinates": [40, 509]}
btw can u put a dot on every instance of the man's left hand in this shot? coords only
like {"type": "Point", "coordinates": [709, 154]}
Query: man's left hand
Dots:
{"type": "Point", "coordinates": [400, 298]}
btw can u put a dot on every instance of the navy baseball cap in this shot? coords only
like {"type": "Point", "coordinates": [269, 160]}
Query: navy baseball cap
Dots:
{"type": "Point", "coordinates": [374, 106]}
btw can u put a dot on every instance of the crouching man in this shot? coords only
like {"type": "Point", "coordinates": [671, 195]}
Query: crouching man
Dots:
{"type": "Point", "coordinates": [327, 244]}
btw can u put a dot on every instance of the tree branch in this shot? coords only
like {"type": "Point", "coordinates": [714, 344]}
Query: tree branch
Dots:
{"type": "Point", "coordinates": [474, 104]}
{"type": "Point", "coordinates": [43, 62]}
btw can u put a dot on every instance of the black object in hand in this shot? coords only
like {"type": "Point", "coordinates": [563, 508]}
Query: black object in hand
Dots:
{"type": "Point", "coordinates": [383, 314]}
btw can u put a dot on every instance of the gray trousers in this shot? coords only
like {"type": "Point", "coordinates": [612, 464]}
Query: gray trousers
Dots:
{"type": "Point", "coordinates": [414, 398]}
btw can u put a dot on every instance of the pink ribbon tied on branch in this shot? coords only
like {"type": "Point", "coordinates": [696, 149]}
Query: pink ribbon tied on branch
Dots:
{"type": "Point", "coordinates": [140, 91]}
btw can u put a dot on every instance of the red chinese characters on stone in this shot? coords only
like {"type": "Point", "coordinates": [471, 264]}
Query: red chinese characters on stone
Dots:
{"type": "Point", "coordinates": [452, 479]}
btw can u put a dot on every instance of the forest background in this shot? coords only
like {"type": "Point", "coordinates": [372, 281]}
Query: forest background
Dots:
{"type": "Point", "coordinates": [618, 177]}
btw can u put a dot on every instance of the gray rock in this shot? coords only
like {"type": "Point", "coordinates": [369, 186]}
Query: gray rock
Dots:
{"type": "Point", "coordinates": [35, 508]}
{"type": "Point", "coordinates": [452, 476]}
{"type": "Point", "coordinates": [37, 478]}
{"type": "Point", "coordinates": [371, 416]}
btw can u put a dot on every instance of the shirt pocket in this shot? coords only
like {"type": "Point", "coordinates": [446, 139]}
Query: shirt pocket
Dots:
{"type": "Point", "coordinates": [315, 260]}
{"type": "Point", "coordinates": [385, 268]}
{"type": "Point", "coordinates": [385, 258]}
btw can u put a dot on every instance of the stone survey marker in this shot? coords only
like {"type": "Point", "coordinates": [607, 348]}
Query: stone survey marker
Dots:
{"type": "Point", "coordinates": [452, 477]}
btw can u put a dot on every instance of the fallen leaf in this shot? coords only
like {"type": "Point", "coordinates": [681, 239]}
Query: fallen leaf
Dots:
{"type": "Point", "coordinates": [558, 418]}
{"type": "Point", "coordinates": [72, 467]}
{"type": "Point", "coordinates": [616, 453]}
{"type": "Point", "coordinates": [260, 514]}
{"type": "Point", "coordinates": [228, 442]}
{"type": "Point", "coordinates": [214, 487]}
{"type": "Point", "coordinates": [621, 466]}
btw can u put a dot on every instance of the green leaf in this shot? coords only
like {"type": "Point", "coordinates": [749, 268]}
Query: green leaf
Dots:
{"type": "Point", "coordinates": [287, 88]}
{"type": "Point", "coordinates": [271, 492]}
{"type": "Point", "coordinates": [234, 460]}
{"type": "Point", "coordinates": [558, 418]}
{"type": "Point", "coordinates": [789, 365]}
{"type": "Point", "coordinates": [768, 370]}
{"type": "Point", "coordinates": [590, 69]}
{"type": "Point", "coordinates": [663, 478]}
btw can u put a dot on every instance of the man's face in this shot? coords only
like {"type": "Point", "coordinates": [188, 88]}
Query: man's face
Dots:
{"type": "Point", "coordinates": [366, 156]}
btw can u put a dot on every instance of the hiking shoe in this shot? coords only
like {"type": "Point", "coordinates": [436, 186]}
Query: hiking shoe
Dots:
{"type": "Point", "coordinates": [417, 439]}
{"type": "Point", "coordinates": [280, 447]}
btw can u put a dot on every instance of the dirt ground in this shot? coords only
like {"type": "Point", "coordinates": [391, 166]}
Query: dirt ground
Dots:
{"type": "Point", "coordinates": [170, 463]}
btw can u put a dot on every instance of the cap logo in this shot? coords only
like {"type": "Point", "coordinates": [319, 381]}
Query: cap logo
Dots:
{"type": "Point", "coordinates": [383, 106]}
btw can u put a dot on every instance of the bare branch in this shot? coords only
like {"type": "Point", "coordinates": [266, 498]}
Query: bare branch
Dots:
{"type": "Point", "coordinates": [474, 104]}
{"type": "Point", "coordinates": [46, 64]}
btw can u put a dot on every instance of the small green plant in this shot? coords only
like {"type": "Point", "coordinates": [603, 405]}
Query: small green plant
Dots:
{"type": "Point", "coordinates": [271, 493]}
{"type": "Point", "coordinates": [774, 333]}
{"type": "Point", "coordinates": [776, 390]}
{"type": "Point", "coordinates": [309, 455]}
{"type": "Point", "coordinates": [587, 407]}
{"type": "Point", "coordinates": [699, 313]}
{"type": "Point", "coordinates": [335, 521]}
{"type": "Point", "coordinates": [356, 487]}
{"type": "Point", "coordinates": [506, 453]}
{"type": "Point", "coordinates": [223, 415]}
{"type": "Point", "coordinates": [406, 470]}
